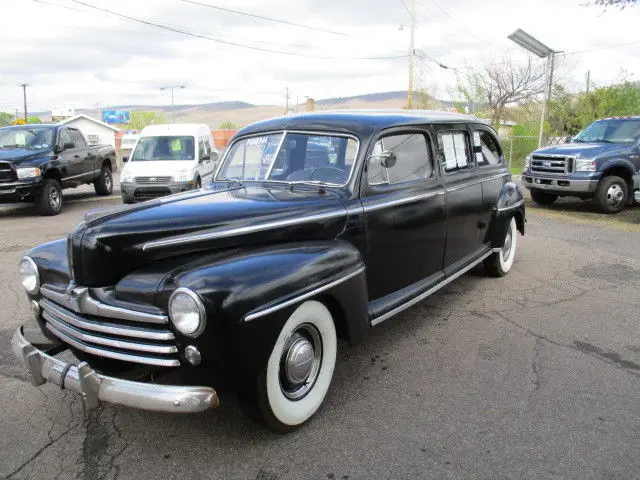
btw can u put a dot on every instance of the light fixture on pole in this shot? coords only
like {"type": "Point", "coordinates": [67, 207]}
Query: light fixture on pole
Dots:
{"type": "Point", "coordinates": [172, 88]}
{"type": "Point", "coordinates": [539, 49]}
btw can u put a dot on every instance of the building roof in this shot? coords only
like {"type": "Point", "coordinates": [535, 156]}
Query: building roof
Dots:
{"type": "Point", "coordinates": [87, 117]}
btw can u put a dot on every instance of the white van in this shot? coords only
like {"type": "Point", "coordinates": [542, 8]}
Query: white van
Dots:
{"type": "Point", "coordinates": [168, 159]}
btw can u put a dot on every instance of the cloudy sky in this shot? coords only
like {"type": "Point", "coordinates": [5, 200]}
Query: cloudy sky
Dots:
{"type": "Point", "coordinates": [70, 53]}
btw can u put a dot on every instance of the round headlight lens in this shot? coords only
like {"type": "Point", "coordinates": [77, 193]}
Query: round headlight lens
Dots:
{"type": "Point", "coordinates": [187, 312]}
{"type": "Point", "coordinates": [29, 275]}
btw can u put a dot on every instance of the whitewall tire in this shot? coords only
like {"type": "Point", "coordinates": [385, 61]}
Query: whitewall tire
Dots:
{"type": "Point", "coordinates": [500, 263]}
{"type": "Point", "coordinates": [300, 368]}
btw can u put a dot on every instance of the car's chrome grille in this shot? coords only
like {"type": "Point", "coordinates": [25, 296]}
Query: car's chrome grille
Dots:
{"type": "Point", "coordinates": [7, 174]}
{"type": "Point", "coordinates": [137, 341]}
{"type": "Point", "coordinates": [550, 164]}
{"type": "Point", "coordinates": [153, 180]}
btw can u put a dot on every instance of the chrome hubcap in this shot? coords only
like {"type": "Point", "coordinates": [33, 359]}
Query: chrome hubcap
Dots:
{"type": "Point", "coordinates": [508, 243]}
{"type": "Point", "coordinates": [54, 198]}
{"type": "Point", "coordinates": [615, 195]}
{"type": "Point", "coordinates": [300, 362]}
{"type": "Point", "coordinates": [107, 180]}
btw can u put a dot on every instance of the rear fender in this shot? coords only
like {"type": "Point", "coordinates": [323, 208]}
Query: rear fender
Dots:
{"type": "Point", "coordinates": [510, 205]}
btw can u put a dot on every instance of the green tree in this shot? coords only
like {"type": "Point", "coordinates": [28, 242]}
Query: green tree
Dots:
{"type": "Point", "coordinates": [228, 125]}
{"type": "Point", "coordinates": [34, 119]}
{"type": "Point", "coordinates": [138, 119]}
{"type": "Point", "coordinates": [5, 119]}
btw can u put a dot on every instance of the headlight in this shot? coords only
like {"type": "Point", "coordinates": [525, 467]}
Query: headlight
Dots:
{"type": "Point", "coordinates": [183, 176]}
{"type": "Point", "coordinates": [527, 161]}
{"type": "Point", "coordinates": [27, 172]}
{"type": "Point", "coordinates": [582, 165]}
{"type": "Point", "coordinates": [29, 276]}
{"type": "Point", "coordinates": [126, 176]}
{"type": "Point", "coordinates": [187, 312]}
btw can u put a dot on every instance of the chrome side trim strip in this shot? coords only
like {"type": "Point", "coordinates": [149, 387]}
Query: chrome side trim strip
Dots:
{"type": "Point", "coordinates": [479, 180]}
{"type": "Point", "coordinates": [231, 232]}
{"type": "Point", "coordinates": [108, 342]}
{"type": "Point", "coordinates": [400, 201]}
{"type": "Point", "coordinates": [511, 207]}
{"type": "Point", "coordinates": [82, 302]}
{"type": "Point", "coordinates": [279, 306]}
{"type": "Point", "coordinates": [103, 327]}
{"type": "Point", "coordinates": [159, 362]}
{"type": "Point", "coordinates": [424, 295]}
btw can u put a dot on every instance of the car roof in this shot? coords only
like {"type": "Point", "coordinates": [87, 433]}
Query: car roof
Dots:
{"type": "Point", "coordinates": [34, 125]}
{"type": "Point", "coordinates": [356, 121]}
{"type": "Point", "coordinates": [194, 129]}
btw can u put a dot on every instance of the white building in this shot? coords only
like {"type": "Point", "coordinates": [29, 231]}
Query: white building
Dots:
{"type": "Point", "coordinates": [95, 131]}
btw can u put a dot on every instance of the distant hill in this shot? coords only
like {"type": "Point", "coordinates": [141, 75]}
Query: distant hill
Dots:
{"type": "Point", "coordinates": [367, 97]}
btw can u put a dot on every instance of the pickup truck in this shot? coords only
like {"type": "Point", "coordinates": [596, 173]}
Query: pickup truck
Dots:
{"type": "Point", "coordinates": [38, 161]}
{"type": "Point", "coordinates": [602, 162]}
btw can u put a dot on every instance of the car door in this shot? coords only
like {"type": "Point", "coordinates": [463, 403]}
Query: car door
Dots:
{"type": "Point", "coordinates": [83, 160]}
{"type": "Point", "coordinates": [404, 213]}
{"type": "Point", "coordinates": [66, 157]}
{"type": "Point", "coordinates": [463, 196]}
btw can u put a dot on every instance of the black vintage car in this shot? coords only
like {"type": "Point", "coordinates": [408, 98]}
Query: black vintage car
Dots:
{"type": "Point", "coordinates": [315, 227]}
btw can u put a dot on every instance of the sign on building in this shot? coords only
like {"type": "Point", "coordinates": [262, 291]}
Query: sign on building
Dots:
{"type": "Point", "coordinates": [115, 116]}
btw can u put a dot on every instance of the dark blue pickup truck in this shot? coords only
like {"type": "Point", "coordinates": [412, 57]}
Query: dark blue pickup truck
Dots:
{"type": "Point", "coordinates": [601, 162]}
{"type": "Point", "coordinates": [38, 161]}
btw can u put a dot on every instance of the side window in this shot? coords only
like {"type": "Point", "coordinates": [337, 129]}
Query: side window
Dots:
{"type": "Point", "coordinates": [454, 147]}
{"type": "Point", "coordinates": [202, 148]}
{"type": "Point", "coordinates": [491, 153]}
{"type": "Point", "coordinates": [77, 138]}
{"type": "Point", "coordinates": [413, 160]}
{"type": "Point", "coordinates": [64, 137]}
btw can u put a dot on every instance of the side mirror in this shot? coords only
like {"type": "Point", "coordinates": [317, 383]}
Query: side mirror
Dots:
{"type": "Point", "coordinates": [387, 159]}
{"type": "Point", "coordinates": [125, 159]}
{"type": "Point", "coordinates": [214, 156]}
{"type": "Point", "coordinates": [68, 146]}
{"type": "Point", "coordinates": [204, 157]}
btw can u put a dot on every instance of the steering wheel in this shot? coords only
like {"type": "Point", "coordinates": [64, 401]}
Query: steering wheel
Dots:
{"type": "Point", "coordinates": [329, 175]}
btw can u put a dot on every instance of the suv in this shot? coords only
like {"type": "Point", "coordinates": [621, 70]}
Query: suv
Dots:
{"type": "Point", "coordinates": [315, 227]}
{"type": "Point", "coordinates": [38, 161]}
{"type": "Point", "coordinates": [601, 162]}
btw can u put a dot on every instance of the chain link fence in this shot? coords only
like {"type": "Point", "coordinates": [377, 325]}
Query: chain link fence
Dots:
{"type": "Point", "coordinates": [516, 148]}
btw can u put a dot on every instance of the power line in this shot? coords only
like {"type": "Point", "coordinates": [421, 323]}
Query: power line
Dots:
{"type": "Point", "coordinates": [227, 42]}
{"type": "Point", "coordinates": [269, 19]}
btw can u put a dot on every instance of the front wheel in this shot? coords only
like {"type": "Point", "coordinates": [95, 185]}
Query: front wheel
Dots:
{"type": "Point", "coordinates": [543, 198]}
{"type": "Point", "coordinates": [297, 376]}
{"type": "Point", "coordinates": [104, 183]}
{"type": "Point", "coordinates": [499, 263]}
{"type": "Point", "coordinates": [612, 194]}
{"type": "Point", "coordinates": [49, 201]}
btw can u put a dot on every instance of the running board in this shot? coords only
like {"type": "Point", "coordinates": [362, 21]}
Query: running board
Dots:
{"type": "Point", "coordinates": [433, 289]}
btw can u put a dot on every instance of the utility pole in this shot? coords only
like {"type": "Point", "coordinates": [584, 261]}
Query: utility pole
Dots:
{"type": "Point", "coordinates": [172, 88]}
{"type": "Point", "coordinates": [412, 35]}
{"type": "Point", "coordinates": [545, 105]}
{"type": "Point", "coordinates": [588, 80]}
{"type": "Point", "coordinates": [24, 98]}
{"type": "Point", "coordinates": [286, 99]}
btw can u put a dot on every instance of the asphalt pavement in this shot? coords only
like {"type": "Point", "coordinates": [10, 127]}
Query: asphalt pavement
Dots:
{"type": "Point", "coordinates": [534, 375]}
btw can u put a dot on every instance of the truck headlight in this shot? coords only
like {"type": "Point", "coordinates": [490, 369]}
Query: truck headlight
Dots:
{"type": "Point", "coordinates": [183, 176]}
{"type": "Point", "coordinates": [29, 275]}
{"type": "Point", "coordinates": [126, 176]}
{"type": "Point", "coordinates": [28, 172]}
{"type": "Point", "coordinates": [583, 165]}
{"type": "Point", "coordinates": [527, 161]}
{"type": "Point", "coordinates": [187, 312]}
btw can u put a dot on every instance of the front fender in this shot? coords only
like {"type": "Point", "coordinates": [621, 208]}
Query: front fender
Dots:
{"type": "Point", "coordinates": [249, 295]}
{"type": "Point", "coordinates": [510, 205]}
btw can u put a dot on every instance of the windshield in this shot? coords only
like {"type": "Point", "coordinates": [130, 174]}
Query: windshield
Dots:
{"type": "Point", "coordinates": [291, 157]}
{"type": "Point", "coordinates": [164, 148]}
{"type": "Point", "coordinates": [623, 130]}
{"type": "Point", "coordinates": [32, 138]}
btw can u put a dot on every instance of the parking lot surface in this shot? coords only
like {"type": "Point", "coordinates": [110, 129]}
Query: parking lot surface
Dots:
{"type": "Point", "coordinates": [535, 375]}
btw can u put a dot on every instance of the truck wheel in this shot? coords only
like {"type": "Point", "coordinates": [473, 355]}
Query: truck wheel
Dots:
{"type": "Point", "coordinates": [298, 373]}
{"type": "Point", "coordinates": [49, 202]}
{"type": "Point", "coordinates": [499, 263]}
{"type": "Point", "coordinates": [612, 194]}
{"type": "Point", "coordinates": [104, 183]}
{"type": "Point", "coordinates": [543, 198]}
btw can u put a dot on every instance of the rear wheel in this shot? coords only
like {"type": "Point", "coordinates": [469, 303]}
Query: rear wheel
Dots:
{"type": "Point", "coordinates": [298, 373]}
{"type": "Point", "coordinates": [499, 263]}
{"type": "Point", "coordinates": [612, 194]}
{"type": "Point", "coordinates": [49, 201]}
{"type": "Point", "coordinates": [543, 198]}
{"type": "Point", "coordinates": [104, 183]}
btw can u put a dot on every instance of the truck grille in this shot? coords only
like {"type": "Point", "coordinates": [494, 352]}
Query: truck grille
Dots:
{"type": "Point", "coordinates": [152, 180]}
{"type": "Point", "coordinates": [109, 337]}
{"type": "Point", "coordinates": [551, 164]}
{"type": "Point", "coordinates": [7, 174]}
{"type": "Point", "coordinates": [142, 194]}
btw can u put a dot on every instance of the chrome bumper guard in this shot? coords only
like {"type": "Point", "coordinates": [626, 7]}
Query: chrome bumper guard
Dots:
{"type": "Point", "coordinates": [95, 387]}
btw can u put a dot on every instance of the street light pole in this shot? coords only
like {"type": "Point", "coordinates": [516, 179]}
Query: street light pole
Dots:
{"type": "Point", "coordinates": [412, 35]}
{"type": "Point", "coordinates": [545, 105]}
{"type": "Point", "coordinates": [172, 87]}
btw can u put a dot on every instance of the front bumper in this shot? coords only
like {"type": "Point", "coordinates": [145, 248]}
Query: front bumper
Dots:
{"type": "Point", "coordinates": [566, 184]}
{"type": "Point", "coordinates": [133, 192]}
{"type": "Point", "coordinates": [95, 387]}
{"type": "Point", "coordinates": [19, 191]}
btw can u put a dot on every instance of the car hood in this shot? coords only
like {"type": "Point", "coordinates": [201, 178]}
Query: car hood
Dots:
{"type": "Point", "coordinates": [20, 156]}
{"type": "Point", "coordinates": [114, 242]}
{"type": "Point", "coordinates": [584, 150]}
